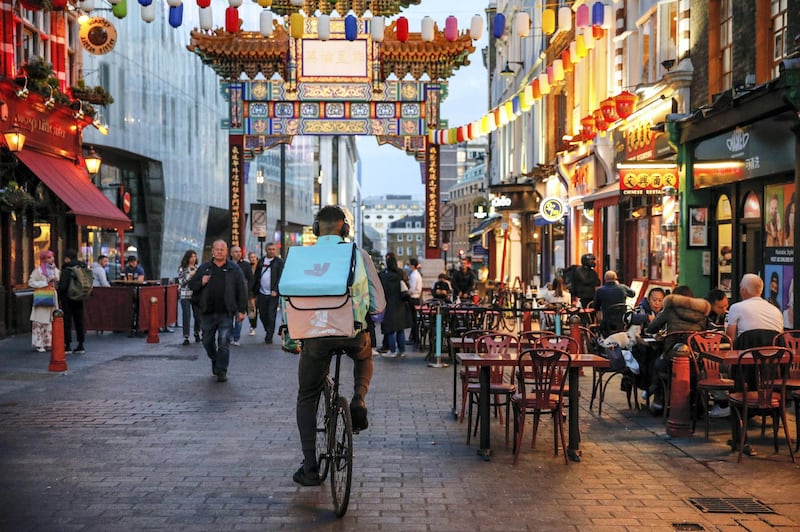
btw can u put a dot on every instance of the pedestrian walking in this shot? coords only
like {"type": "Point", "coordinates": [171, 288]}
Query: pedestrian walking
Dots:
{"type": "Point", "coordinates": [415, 295]}
{"type": "Point", "coordinates": [223, 298]}
{"type": "Point", "coordinates": [236, 256]}
{"type": "Point", "coordinates": [44, 281]}
{"type": "Point", "coordinates": [265, 287]}
{"type": "Point", "coordinates": [188, 309]}
{"type": "Point", "coordinates": [397, 317]}
{"type": "Point", "coordinates": [73, 308]}
{"type": "Point", "coordinates": [252, 305]}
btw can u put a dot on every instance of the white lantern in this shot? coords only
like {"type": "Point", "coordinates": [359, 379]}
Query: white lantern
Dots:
{"type": "Point", "coordinates": [588, 37]}
{"type": "Point", "coordinates": [324, 27]}
{"type": "Point", "coordinates": [564, 19]}
{"type": "Point", "coordinates": [265, 27]}
{"type": "Point", "coordinates": [522, 24]}
{"type": "Point", "coordinates": [526, 102]}
{"type": "Point", "coordinates": [608, 17]}
{"type": "Point", "coordinates": [149, 12]}
{"type": "Point", "coordinates": [206, 18]}
{"type": "Point", "coordinates": [376, 28]}
{"type": "Point", "coordinates": [174, 3]}
{"type": "Point", "coordinates": [234, 3]}
{"type": "Point", "coordinates": [544, 84]}
{"type": "Point", "coordinates": [558, 70]}
{"type": "Point", "coordinates": [476, 27]}
{"type": "Point", "coordinates": [86, 5]}
{"type": "Point", "coordinates": [427, 29]}
{"type": "Point", "coordinates": [573, 52]}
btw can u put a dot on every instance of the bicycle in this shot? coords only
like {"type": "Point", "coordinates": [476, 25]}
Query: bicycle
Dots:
{"type": "Point", "coordinates": [503, 302]}
{"type": "Point", "coordinates": [335, 438]}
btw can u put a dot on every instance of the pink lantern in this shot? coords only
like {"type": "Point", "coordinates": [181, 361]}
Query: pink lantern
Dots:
{"type": "Point", "coordinates": [582, 16]}
{"type": "Point", "coordinates": [451, 28]}
{"type": "Point", "coordinates": [402, 29]}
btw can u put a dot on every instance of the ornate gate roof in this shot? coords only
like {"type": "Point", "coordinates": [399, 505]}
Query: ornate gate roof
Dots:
{"type": "Point", "coordinates": [386, 8]}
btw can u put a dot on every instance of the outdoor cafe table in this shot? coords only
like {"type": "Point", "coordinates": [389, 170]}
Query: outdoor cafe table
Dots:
{"type": "Point", "coordinates": [485, 361]}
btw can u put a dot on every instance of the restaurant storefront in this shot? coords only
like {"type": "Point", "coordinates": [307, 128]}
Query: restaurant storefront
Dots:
{"type": "Point", "coordinates": [47, 198]}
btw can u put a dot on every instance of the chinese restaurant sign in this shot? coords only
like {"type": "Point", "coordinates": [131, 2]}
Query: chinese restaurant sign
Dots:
{"type": "Point", "coordinates": [646, 180]}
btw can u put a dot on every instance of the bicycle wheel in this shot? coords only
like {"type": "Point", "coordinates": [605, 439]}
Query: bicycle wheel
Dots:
{"type": "Point", "coordinates": [341, 455]}
{"type": "Point", "coordinates": [323, 415]}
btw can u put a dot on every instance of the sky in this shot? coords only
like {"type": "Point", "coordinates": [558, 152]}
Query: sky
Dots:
{"type": "Point", "coordinates": [387, 170]}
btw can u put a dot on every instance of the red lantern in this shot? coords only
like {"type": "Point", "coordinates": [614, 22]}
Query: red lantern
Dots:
{"type": "Point", "coordinates": [597, 33]}
{"type": "Point", "coordinates": [587, 127]}
{"type": "Point", "coordinates": [565, 59]}
{"type": "Point", "coordinates": [231, 19]}
{"type": "Point", "coordinates": [402, 29]}
{"type": "Point", "coordinates": [626, 104]}
{"type": "Point", "coordinates": [59, 5]}
{"type": "Point", "coordinates": [600, 121]}
{"type": "Point", "coordinates": [203, 3]}
{"type": "Point", "coordinates": [537, 92]}
{"type": "Point", "coordinates": [609, 108]}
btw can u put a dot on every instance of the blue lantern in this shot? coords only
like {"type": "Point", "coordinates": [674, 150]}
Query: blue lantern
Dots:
{"type": "Point", "coordinates": [145, 3]}
{"type": "Point", "coordinates": [598, 12]}
{"type": "Point", "coordinates": [350, 27]}
{"type": "Point", "coordinates": [499, 25]}
{"type": "Point", "coordinates": [176, 15]}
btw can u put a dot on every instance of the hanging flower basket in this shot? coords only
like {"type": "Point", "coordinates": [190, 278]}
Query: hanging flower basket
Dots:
{"type": "Point", "coordinates": [16, 198]}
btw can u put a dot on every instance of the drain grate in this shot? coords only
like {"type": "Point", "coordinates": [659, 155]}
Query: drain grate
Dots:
{"type": "Point", "coordinates": [687, 526]}
{"type": "Point", "coordinates": [730, 505]}
{"type": "Point", "coordinates": [129, 358]}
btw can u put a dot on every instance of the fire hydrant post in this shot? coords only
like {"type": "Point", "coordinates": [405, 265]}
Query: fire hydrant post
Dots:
{"type": "Point", "coordinates": [152, 333]}
{"type": "Point", "coordinates": [58, 361]}
{"type": "Point", "coordinates": [680, 418]}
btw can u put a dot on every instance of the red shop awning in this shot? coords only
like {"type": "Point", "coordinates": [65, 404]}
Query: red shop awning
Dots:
{"type": "Point", "coordinates": [72, 185]}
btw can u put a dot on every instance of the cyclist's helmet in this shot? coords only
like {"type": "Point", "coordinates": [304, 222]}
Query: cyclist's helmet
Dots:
{"type": "Point", "coordinates": [588, 260]}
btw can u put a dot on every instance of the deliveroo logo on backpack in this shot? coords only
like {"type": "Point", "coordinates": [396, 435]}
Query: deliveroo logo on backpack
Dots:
{"type": "Point", "coordinates": [319, 270]}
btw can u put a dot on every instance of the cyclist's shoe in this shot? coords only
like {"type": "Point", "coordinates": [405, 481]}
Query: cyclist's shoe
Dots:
{"type": "Point", "coordinates": [358, 413]}
{"type": "Point", "coordinates": [307, 477]}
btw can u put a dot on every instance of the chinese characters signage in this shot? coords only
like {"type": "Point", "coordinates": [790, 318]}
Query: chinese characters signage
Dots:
{"type": "Point", "coordinates": [432, 186]}
{"type": "Point", "coordinates": [646, 179]}
{"type": "Point", "coordinates": [236, 158]}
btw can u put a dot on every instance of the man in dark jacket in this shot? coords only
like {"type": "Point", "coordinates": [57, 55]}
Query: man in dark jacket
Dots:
{"type": "Point", "coordinates": [265, 288]}
{"type": "Point", "coordinates": [223, 296]}
{"type": "Point", "coordinates": [585, 280]}
{"type": "Point", "coordinates": [464, 280]}
{"type": "Point", "coordinates": [610, 303]}
{"type": "Point", "coordinates": [73, 310]}
{"type": "Point", "coordinates": [247, 272]}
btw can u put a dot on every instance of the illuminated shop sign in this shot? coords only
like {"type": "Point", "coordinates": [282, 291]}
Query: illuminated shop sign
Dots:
{"type": "Point", "coordinates": [552, 209]}
{"type": "Point", "coordinates": [646, 179]}
{"type": "Point", "coordinates": [432, 196]}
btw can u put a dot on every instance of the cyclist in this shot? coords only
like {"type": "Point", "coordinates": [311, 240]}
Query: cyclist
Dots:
{"type": "Point", "coordinates": [315, 356]}
{"type": "Point", "coordinates": [464, 280]}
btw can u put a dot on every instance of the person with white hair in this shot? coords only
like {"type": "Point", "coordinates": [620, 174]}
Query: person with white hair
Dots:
{"type": "Point", "coordinates": [753, 321]}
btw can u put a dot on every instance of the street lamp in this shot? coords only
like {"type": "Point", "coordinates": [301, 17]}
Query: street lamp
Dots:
{"type": "Point", "coordinates": [92, 161]}
{"type": "Point", "coordinates": [260, 186]}
{"type": "Point", "coordinates": [15, 138]}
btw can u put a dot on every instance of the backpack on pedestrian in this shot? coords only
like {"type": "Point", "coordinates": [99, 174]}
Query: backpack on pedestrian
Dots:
{"type": "Point", "coordinates": [317, 286]}
{"type": "Point", "coordinates": [80, 284]}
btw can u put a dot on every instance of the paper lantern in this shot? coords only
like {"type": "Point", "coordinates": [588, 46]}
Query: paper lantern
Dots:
{"type": "Point", "coordinates": [544, 84]}
{"type": "Point", "coordinates": [587, 127]}
{"type": "Point", "coordinates": [609, 109]}
{"type": "Point", "coordinates": [551, 78]}
{"type": "Point", "coordinates": [485, 125]}
{"type": "Point", "coordinates": [120, 9]}
{"type": "Point", "coordinates": [451, 28]}
{"type": "Point", "coordinates": [573, 52]}
{"type": "Point", "coordinates": [265, 3]}
{"type": "Point", "coordinates": [558, 70]}
{"type": "Point", "coordinates": [516, 108]}
{"type": "Point", "coordinates": [231, 19]}
{"type": "Point", "coordinates": [174, 3]}
{"type": "Point", "coordinates": [234, 3]}
{"type": "Point", "coordinates": [141, 3]}
{"type": "Point", "coordinates": [527, 97]}
{"type": "Point", "coordinates": [598, 14]}
{"type": "Point", "coordinates": [324, 27]}
{"type": "Point", "coordinates": [564, 19]}
{"type": "Point", "coordinates": [88, 5]}
{"type": "Point", "coordinates": [548, 21]}
{"type": "Point", "coordinates": [476, 27]}
{"type": "Point", "coordinates": [296, 23]}
{"type": "Point", "coordinates": [588, 38]}
{"type": "Point", "coordinates": [432, 136]}
{"type": "Point", "coordinates": [608, 18]}
{"type": "Point", "coordinates": [350, 27]}
{"type": "Point", "coordinates": [205, 18]}
{"type": "Point", "coordinates": [600, 121]}
{"type": "Point", "coordinates": [522, 24]}
{"type": "Point", "coordinates": [582, 16]}
{"type": "Point", "coordinates": [510, 112]}
{"type": "Point", "coordinates": [265, 26]}
{"type": "Point", "coordinates": [203, 3]}
{"type": "Point", "coordinates": [492, 124]}
{"type": "Point", "coordinates": [499, 28]}
{"type": "Point", "coordinates": [536, 89]}
{"type": "Point", "coordinates": [427, 29]}
{"type": "Point", "coordinates": [376, 28]}
{"type": "Point", "coordinates": [149, 13]}
{"type": "Point", "coordinates": [402, 29]}
{"type": "Point", "coordinates": [566, 61]}
{"type": "Point", "coordinates": [626, 104]}
{"type": "Point", "coordinates": [461, 134]}
{"type": "Point", "coordinates": [176, 16]}
{"type": "Point", "coordinates": [580, 46]}
{"type": "Point", "coordinates": [598, 33]}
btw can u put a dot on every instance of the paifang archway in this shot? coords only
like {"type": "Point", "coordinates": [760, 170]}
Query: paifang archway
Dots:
{"type": "Point", "coordinates": [333, 87]}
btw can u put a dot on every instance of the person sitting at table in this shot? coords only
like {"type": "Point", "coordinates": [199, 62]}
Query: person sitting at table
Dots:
{"type": "Point", "coordinates": [132, 270]}
{"type": "Point", "coordinates": [682, 312]}
{"type": "Point", "coordinates": [648, 309]}
{"type": "Point", "coordinates": [609, 301]}
{"type": "Point", "coordinates": [719, 309]}
{"type": "Point", "coordinates": [441, 289]}
{"type": "Point", "coordinates": [753, 321]}
{"type": "Point", "coordinates": [557, 294]}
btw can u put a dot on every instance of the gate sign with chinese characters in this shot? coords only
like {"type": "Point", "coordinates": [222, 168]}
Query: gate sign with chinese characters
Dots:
{"type": "Point", "coordinates": [552, 209]}
{"type": "Point", "coordinates": [647, 178]}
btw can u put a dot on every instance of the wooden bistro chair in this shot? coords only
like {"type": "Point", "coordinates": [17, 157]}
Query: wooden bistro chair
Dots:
{"type": "Point", "coordinates": [538, 371]}
{"type": "Point", "coordinates": [791, 339]}
{"type": "Point", "coordinates": [500, 389]}
{"type": "Point", "coordinates": [796, 400]}
{"type": "Point", "coordinates": [709, 379]}
{"type": "Point", "coordinates": [469, 374]}
{"type": "Point", "coordinates": [563, 343]}
{"type": "Point", "coordinates": [601, 377]}
{"type": "Point", "coordinates": [530, 339]}
{"type": "Point", "coordinates": [768, 396]}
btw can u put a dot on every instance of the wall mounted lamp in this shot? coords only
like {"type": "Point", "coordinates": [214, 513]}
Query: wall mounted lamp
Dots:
{"type": "Point", "coordinates": [507, 71]}
{"type": "Point", "coordinates": [92, 161]}
{"type": "Point", "coordinates": [15, 138]}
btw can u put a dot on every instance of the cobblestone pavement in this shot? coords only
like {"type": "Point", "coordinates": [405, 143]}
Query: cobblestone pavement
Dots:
{"type": "Point", "coordinates": [139, 436]}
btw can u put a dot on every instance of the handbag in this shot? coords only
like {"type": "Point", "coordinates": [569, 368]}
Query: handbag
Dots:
{"type": "Point", "coordinates": [44, 297]}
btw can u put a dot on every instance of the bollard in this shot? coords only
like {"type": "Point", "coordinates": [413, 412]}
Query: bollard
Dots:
{"type": "Point", "coordinates": [575, 329]}
{"type": "Point", "coordinates": [680, 417]}
{"type": "Point", "coordinates": [526, 320]}
{"type": "Point", "coordinates": [438, 340]}
{"type": "Point", "coordinates": [57, 360]}
{"type": "Point", "coordinates": [152, 333]}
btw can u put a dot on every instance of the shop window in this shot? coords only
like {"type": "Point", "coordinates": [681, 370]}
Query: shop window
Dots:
{"type": "Point", "coordinates": [752, 207]}
{"type": "Point", "coordinates": [780, 33]}
{"type": "Point", "coordinates": [399, 238]}
{"type": "Point", "coordinates": [726, 43]}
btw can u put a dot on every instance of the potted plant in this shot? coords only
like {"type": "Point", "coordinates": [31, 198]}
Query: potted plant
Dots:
{"type": "Point", "coordinates": [94, 95]}
{"type": "Point", "coordinates": [16, 198]}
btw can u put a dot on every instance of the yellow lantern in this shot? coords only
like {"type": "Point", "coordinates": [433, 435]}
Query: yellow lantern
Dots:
{"type": "Point", "coordinates": [580, 46]}
{"type": "Point", "coordinates": [548, 21]}
{"type": "Point", "coordinates": [296, 26]}
{"type": "Point", "coordinates": [265, 3]}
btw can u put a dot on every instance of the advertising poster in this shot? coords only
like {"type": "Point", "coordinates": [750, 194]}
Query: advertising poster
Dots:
{"type": "Point", "coordinates": [779, 201]}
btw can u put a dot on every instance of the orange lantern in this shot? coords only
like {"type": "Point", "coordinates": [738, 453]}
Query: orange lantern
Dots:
{"type": "Point", "coordinates": [537, 91]}
{"type": "Point", "coordinates": [566, 61]}
{"type": "Point", "coordinates": [600, 121]}
{"type": "Point", "coordinates": [609, 108]}
{"type": "Point", "coordinates": [598, 32]}
{"type": "Point", "coordinates": [587, 127]}
{"type": "Point", "coordinates": [626, 104]}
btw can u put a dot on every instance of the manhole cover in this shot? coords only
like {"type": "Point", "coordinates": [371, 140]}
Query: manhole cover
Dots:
{"type": "Point", "coordinates": [687, 526]}
{"type": "Point", "coordinates": [730, 505]}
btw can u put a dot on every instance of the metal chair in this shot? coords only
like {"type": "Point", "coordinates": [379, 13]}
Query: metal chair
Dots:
{"type": "Point", "coordinates": [768, 395]}
{"type": "Point", "coordinates": [469, 374]}
{"type": "Point", "coordinates": [539, 369]}
{"type": "Point", "coordinates": [709, 379]}
{"type": "Point", "coordinates": [601, 377]}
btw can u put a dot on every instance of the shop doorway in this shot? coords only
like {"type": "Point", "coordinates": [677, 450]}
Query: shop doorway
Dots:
{"type": "Point", "coordinates": [751, 247]}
